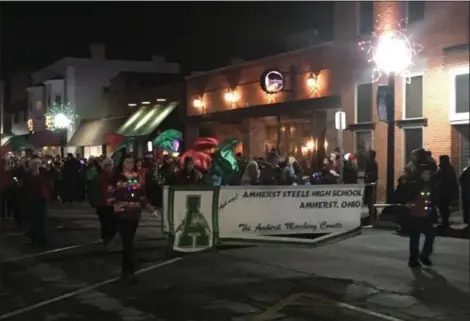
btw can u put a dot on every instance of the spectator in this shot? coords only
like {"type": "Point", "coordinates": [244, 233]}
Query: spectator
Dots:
{"type": "Point", "coordinates": [447, 188]}
{"type": "Point", "coordinates": [271, 174]}
{"type": "Point", "coordinates": [465, 192]}
{"type": "Point", "coordinates": [35, 193]}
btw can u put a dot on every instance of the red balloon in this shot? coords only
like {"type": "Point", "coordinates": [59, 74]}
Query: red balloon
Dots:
{"type": "Point", "coordinates": [114, 139]}
{"type": "Point", "coordinates": [202, 160]}
{"type": "Point", "coordinates": [203, 143]}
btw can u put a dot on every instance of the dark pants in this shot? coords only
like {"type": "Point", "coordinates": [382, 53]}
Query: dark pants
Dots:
{"type": "Point", "coordinates": [127, 228]}
{"type": "Point", "coordinates": [108, 228]}
{"type": "Point", "coordinates": [465, 209]}
{"type": "Point", "coordinates": [37, 221]}
{"type": "Point", "coordinates": [464, 192]}
{"type": "Point", "coordinates": [6, 203]}
{"type": "Point", "coordinates": [368, 200]}
{"type": "Point", "coordinates": [444, 208]}
{"type": "Point", "coordinates": [418, 226]}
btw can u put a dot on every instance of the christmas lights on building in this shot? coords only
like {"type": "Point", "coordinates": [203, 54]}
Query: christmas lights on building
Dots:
{"type": "Point", "coordinates": [391, 50]}
{"type": "Point", "coordinates": [60, 117]}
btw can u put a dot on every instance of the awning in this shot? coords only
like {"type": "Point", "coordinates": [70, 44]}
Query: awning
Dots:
{"type": "Point", "coordinates": [5, 138]}
{"type": "Point", "coordinates": [16, 141]}
{"type": "Point", "coordinates": [145, 120]}
{"type": "Point", "coordinates": [45, 138]}
{"type": "Point", "coordinates": [92, 132]}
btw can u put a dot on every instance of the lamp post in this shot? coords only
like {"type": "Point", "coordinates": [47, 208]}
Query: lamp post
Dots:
{"type": "Point", "coordinates": [391, 51]}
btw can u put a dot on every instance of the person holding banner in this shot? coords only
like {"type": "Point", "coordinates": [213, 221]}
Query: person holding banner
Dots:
{"type": "Point", "coordinates": [127, 197]}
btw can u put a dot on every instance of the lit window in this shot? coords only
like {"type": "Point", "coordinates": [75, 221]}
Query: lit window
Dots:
{"type": "Point", "coordinates": [39, 105]}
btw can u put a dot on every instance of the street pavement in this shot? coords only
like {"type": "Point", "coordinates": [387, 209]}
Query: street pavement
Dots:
{"type": "Point", "coordinates": [365, 278]}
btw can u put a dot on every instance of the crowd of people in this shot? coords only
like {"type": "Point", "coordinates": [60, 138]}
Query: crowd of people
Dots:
{"type": "Point", "coordinates": [120, 191]}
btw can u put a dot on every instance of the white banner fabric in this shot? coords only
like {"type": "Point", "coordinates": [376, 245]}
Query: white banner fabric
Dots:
{"type": "Point", "coordinates": [254, 212]}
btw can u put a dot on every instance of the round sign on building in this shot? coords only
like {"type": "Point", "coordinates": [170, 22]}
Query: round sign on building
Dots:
{"type": "Point", "coordinates": [272, 81]}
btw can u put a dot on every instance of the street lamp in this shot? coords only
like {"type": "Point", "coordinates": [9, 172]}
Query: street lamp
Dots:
{"type": "Point", "coordinates": [391, 51]}
{"type": "Point", "coordinates": [60, 118]}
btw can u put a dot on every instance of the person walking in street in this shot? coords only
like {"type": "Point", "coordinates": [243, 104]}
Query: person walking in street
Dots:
{"type": "Point", "coordinates": [154, 184]}
{"type": "Point", "coordinates": [447, 188]}
{"type": "Point", "coordinates": [70, 179]}
{"type": "Point", "coordinates": [6, 184]}
{"type": "Point", "coordinates": [420, 200]}
{"type": "Point", "coordinates": [35, 192]}
{"type": "Point", "coordinates": [103, 209]}
{"type": "Point", "coordinates": [92, 181]}
{"type": "Point", "coordinates": [127, 197]}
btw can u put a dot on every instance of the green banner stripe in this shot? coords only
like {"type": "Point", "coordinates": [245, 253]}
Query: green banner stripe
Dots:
{"type": "Point", "coordinates": [171, 211]}
{"type": "Point", "coordinates": [215, 215]}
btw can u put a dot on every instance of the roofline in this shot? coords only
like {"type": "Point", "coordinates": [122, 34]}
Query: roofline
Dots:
{"type": "Point", "coordinates": [48, 66]}
{"type": "Point", "coordinates": [34, 86]}
{"type": "Point", "coordinates": [65, 59]}
{"type": "Point", "coordinates": [255, 61]}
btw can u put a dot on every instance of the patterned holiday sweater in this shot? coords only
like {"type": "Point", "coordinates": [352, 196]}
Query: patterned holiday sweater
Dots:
{"type": "Point", "coordinates": [127, 195]}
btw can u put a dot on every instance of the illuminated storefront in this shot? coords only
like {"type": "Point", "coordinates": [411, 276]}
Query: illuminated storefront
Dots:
{"type": "Point", "coordinates": [288, 101]}
{"type": "Point", "coordinates": [283, 102]}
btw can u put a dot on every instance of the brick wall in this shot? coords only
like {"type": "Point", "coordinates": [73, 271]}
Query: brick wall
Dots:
{"type": "Point", "coordinates": [343, 66]}
{"type": "Point", "coordinates": [245, 79]}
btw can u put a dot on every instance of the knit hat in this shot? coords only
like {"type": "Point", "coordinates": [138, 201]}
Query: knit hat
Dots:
{"type": "Point", "coordinates": [348, 157]}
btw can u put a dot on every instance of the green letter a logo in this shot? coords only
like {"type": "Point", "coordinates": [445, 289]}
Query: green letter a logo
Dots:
{"type": "Point", "coordinates": [195, 230]}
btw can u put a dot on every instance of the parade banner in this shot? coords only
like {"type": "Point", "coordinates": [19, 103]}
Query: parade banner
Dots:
{"type": "Point", "coordinates": [270, 213]}
{"type": "Point", "coordinates": [198, 218]}
{"type": "Point", "coordinates": [191, 219]}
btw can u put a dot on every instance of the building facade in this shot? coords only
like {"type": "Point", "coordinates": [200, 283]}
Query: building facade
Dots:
{"type": "Point", "coordinates": [140, 105]}
{"type": "Point", "coordinates": [82, 83]}
{"type": "Point", "coordinates": [288, 101]}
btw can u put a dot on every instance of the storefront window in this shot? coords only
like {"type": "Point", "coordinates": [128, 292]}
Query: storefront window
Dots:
{"type": "Point", "coordinates": [94, 151]}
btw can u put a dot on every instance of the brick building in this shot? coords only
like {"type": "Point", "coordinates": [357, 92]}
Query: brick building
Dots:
{"type": "Point", "coordinates": [432, 111]}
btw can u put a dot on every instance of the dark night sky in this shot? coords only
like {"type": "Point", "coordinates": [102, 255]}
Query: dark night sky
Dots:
{"type": "Point", "coordinates": [201, 35]}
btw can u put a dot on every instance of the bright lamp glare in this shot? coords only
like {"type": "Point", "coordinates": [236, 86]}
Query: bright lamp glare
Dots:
{"type": "Point", "coordinates": [393, 53]}
{"type": "Point", "coordinates": [62, 121]}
